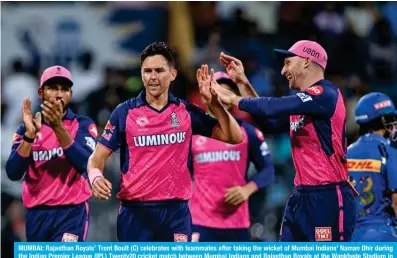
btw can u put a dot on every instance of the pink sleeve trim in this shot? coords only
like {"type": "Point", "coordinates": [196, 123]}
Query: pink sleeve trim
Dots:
{"type": "Point", "coordinates": [24, 156]}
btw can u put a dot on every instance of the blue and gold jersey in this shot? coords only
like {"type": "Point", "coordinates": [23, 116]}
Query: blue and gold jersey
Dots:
{"type": "Point", "coordinates": [372, 165]}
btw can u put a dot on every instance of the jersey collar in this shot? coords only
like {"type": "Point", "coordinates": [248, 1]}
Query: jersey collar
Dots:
{"type": "Point", "coordinates": [377, 137]}
{"type": "Point", "coordinates": [141, 99]}
{"type": "Point", "coordinates": [69, 115]}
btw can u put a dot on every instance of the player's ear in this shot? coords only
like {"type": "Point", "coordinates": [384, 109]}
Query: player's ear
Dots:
{"type": "Point", "coordinates": [174, 73]}
{"type": "Point", "coordinates": [40, 93]}
{"type": "Point", "coordinates": [307, 63]}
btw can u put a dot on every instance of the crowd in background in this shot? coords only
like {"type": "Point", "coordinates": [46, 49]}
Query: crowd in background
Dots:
{"type": "Point", "coordinates": [360, 38]}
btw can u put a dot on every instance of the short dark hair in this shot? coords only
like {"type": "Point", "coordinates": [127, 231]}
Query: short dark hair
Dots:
{"type": "Point", "coordinates": [158, 48]}
{"type": "Point", "coordinates": [373, 125]}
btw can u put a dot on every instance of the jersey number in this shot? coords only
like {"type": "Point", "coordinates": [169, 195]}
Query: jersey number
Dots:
{"type": "Point", "coordinates": [367, 196]}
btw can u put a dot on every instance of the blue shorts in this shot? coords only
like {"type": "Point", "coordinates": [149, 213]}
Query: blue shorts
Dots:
{"type": "Point", "coordinates": [206, 234]}
{"type": "Point", "coordinates": [165, 221]}
{"type": "Point", "coordinates": [319, 213]}
{"type": "Point", "coordinates": [374, 231]}
{"type": "Point", "coordinates": [67, 223]}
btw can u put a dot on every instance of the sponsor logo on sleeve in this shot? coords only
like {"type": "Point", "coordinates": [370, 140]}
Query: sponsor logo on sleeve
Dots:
{"type": "Point", "coordinates": [323, 234]}
{"type": "Point", "coordinates": [67, 237]}
{"type": "Point", "coordinates": [367, 165]}
{"type": "Point", "coordinates": [90, 142]}
{"type": "Point", "coordinates": [108, 131]}
{"type": "Point", "coordinates": [304, 97]}
{"type": "Point", "coordinates": [93, 130]}
{"type": "Point", "coordinates": [315, 90]}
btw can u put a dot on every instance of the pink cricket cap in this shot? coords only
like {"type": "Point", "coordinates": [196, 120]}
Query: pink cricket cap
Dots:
{"type": "Point", "coordinates": [56, 72]}
{"type": "Point", "coordinates": [221, 75]}
{"type": "Point", "coordinates": [306, 49]}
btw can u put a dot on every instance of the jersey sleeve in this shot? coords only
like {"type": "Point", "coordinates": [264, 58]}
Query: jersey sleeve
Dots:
{"type": "Point", "coordinates": [83, 145]}
{"type": "Point", "coordinates": [272, 125]}
{"type": "Point", "coordinates": [315, 101]}
{"type": "Point", "coordinates": [111, 134]}
{"type": "Point", "coordinates": [392, 170]}
{"type": "Point", "coordinates": [17, 164]}
{"type": "Point", "coordinates": [259, 155]}
{"type": "Point", "coordinates": [202, 122]}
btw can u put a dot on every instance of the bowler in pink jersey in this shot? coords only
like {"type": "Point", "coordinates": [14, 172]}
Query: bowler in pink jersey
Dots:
{"type": "Point", "coordinates": [323, 208]}
{"type": "Point", "coordinates": [52, 149]}
{"type": "Point", "coordinates": [153, 132]}
{"type": "Point", "coordinates": [219, 205]}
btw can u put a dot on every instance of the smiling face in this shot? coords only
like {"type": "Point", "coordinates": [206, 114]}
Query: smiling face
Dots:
{"type": "Point", "coordinates": [157, 75]}
{"type": "Point", "coordinates": [294, 70]}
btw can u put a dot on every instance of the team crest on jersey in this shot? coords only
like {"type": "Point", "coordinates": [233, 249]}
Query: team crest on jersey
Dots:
{"type": "Point", "coordinates": [174, 120]}
{"type": "Point", "coordinates": [67, 237]}
{"type": "Point", "coordinates": [180, 238]}
{"type": "Point", "coordinates": [142, 121]}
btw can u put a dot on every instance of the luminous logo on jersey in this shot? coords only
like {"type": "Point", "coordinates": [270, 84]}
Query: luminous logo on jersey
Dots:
{"type": "Point", "coordinates": [364, 165]}
{"type": "Point", "coordinates": [174, 120]}
{"type": "Point", "coordinates": [45, 155]}
{"type": "Point", "coordinates": [159, 139]}
{"type": "Point", "coordinates": [383, 104]}
{"type": "Point", "coordinates": [218, 156]}
{"type": "Point", "coordinates": [296, 125]}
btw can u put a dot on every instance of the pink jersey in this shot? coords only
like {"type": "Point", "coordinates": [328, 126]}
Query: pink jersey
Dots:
{"type": "Point", "coordinates": [319, 145]}
{"type": "Point", "coordinates": [218, 166]}
{"type": "Point", "coordinates": [155, 147]}
{"type": "Point", "coordinates": [55, 175]}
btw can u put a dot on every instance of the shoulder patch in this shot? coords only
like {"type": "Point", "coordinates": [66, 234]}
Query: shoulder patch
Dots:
{"type": "Point", "coordinates": [315, 90]}
{"type": "Point", "coordinates": [93, 130]}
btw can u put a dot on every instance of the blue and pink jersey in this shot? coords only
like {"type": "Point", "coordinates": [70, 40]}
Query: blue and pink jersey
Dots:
{"type": "Point", "coordinates": [218, 166]}
{"type": "Point", "coordinates": [55, 175]}
{"type": "Point", "coordinates": [317, 126]}
{"type": "Point", "coordinates": [155, 147]}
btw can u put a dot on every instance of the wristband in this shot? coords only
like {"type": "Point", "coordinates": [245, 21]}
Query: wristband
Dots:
{"type": "Point", "coordinates": [94, 173]}
{"type": "Point", "coordinates": [27, 139]}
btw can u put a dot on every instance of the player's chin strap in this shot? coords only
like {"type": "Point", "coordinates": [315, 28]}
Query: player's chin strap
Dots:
{"type": "Point", "coordinates": [93, 175]}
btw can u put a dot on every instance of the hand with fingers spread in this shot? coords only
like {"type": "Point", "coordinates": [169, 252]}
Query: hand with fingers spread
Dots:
{"type": "Point", "coordinates": [204, 83]}
{"type": "Point", "coordinates": [52, 112]}
{"type": "Point", "coordinates": [225, 96]}
{"type": "Point", "coordinates": [234, 68]}
{"type": "Point", "coordinates": [101, 188]}
{"type": "Point", "coordinates": [32, 125]}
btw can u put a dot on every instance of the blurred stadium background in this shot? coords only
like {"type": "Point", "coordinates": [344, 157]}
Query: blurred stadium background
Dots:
{"type": "Point", "coordinates": [100, 43]}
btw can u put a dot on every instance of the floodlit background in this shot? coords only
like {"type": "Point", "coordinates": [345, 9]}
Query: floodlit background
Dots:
{"type": "Point", "coordinates": [100, 43]}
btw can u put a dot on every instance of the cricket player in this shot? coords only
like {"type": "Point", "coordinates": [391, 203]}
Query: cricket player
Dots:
{"type": "Point", "coordinates": [221, 214]}
{"type": "Point", "coordinates": [323, 207]}
{"type": "Point", "coordinates": [153, 132]}
{"type": "Point", "coordinates": [53, 148]}
{"type": "Point", "coordinates": [372, 165]}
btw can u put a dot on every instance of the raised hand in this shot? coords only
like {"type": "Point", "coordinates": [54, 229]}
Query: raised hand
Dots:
{"type": "Point", "coordinates": [234, 68]}
{"type": "Point", "coordinates": [52, 112]}
{"type": "Point", "coordinates": [226, 97]}
{"type": "Point", "coordinates": [204, 83]}
{"type": "Point", "coordinates": [32, 125]}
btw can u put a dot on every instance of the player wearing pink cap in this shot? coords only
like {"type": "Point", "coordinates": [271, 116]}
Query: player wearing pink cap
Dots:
{"type": "Point", "coordinates": [323, 207]}
{"type": "Point", "coordinates": [222, 213]}
{"type": "Point", "coordinates": [52, 149]}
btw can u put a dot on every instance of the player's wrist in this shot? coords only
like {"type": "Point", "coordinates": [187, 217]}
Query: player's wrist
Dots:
{"type": "Point", "coordinates": [29, 137]}
{"type": "Point", "coordinates": [94, 174]}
